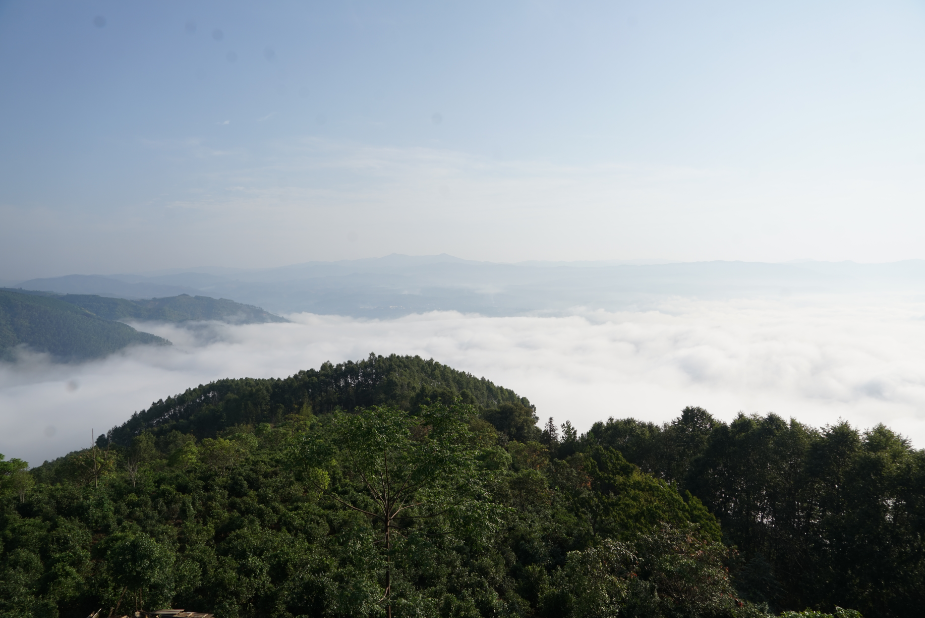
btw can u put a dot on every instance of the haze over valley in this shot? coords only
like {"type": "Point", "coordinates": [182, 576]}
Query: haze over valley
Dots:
{"type": "Point", "coordinates": [397, 285]}
{"type": "Point", "coordinates": [820, 342]}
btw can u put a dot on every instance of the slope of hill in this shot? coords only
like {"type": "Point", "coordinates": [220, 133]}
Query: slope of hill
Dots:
{"type": "Point", "coordinates": [259, 498]}
{"type": "Point", "coordinates": [181, 308]}
{"type": "Point", "coordinates": [67, 332]}
{"type": "Point", "coordinates": [374, 489]}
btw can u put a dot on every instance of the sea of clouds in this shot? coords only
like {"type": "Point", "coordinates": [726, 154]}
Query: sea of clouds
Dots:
{"type": "Point", "coordinates": [817, 360]}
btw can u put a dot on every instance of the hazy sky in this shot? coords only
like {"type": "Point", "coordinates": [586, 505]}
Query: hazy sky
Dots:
{"type": "Point", "coordinates": [145, 135]}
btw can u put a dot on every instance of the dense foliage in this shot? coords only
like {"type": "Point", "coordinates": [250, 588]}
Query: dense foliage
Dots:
{"type": "Point", "coordinates": [821, 517]}
{"type": "Point", "coordinates": [67, 332]}
{"type": "Point", "coordinates": [397, 486]}
{"type": "Point", "coordinates": [401, 381]}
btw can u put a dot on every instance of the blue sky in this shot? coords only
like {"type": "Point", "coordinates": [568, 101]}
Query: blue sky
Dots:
{"type": "Point", "coordinates": [139, 136]}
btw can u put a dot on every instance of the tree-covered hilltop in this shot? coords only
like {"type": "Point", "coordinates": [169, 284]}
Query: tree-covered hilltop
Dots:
{"type": "Point", "coordinates": [401, 381]}
{"type": "Point", "coordinates": [181, 308]}
{"type": "Point", "coordinates": [65, 331]}
{"type": "Point", "coordinates": [396, 486]}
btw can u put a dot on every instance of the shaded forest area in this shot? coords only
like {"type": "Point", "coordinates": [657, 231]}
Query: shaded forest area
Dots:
{"type": "Point", "coordinates": [79, 327]}
{"type": "Point", "coordinates": [399, 487]}
{"type": "Point", "coordinates": [65, 331]}
{"type": "Point", "coordinates": [820, 516]}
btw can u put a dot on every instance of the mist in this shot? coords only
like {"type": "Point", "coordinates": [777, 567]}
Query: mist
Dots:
{"type": "Point", "coordinates": [817, 361]}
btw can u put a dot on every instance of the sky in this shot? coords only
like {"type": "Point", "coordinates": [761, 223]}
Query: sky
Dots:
{"type": "Point", "coordinates": [816, 362]}
{"type": "Point", "coordinates": [146, 136]}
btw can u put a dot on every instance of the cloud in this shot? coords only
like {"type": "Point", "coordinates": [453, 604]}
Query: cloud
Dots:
{"type": "Point", "coordinates": [818, 363]}
{"type": "Point", "coordinates": [303, 194]}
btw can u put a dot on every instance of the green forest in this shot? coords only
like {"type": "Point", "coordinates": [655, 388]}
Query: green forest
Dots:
{"type": "Point", "coordinates": [79, 327]}
{"type": "Point", "coordinates": [396, 486]}
{"type": "Point", "coordinates": [66, 332]}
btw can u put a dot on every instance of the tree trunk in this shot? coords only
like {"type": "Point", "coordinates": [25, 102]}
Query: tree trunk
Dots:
{"type": "Point", "coordinates": [112, 612]}
{"type": "Point", "coordinates": [388, 568]}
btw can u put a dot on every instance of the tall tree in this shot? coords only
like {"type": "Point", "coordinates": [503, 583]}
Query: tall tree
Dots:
{"type": "Point", "coordinates": [141, 451]}
{"type": "Point", "coordinates": [15, 477]}
{"type": "Point", "coordinates": [410, 467]}
{"type": "Point", "coordinates": [142, 567]}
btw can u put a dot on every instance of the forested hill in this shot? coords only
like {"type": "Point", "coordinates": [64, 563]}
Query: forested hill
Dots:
{"type": "Point", "coordinates": [401, 381]}
{"type": "Point", "coordinates": [77, 327]}
{"type": "Point", "coordinates": [396, 486]}
{"type": "Point", "coordinates": [182, 308]}
{"type": "Point", "coordinates": [67, 332]}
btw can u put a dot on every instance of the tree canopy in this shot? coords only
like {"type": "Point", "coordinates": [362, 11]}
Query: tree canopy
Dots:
{"type": "Point", "coordinates": [397, 486]}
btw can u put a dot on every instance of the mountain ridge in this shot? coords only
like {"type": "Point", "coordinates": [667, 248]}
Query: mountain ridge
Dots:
{"type": "Point", "coordinates": [75, 327]}
{"type": "Point", "coordinates": [67, 332]}
{"type": "Point", "coordinates": [397, 285]}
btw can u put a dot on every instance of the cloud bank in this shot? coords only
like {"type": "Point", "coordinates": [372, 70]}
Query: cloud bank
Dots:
{"type": "Point", "coordinates": [816, 362]}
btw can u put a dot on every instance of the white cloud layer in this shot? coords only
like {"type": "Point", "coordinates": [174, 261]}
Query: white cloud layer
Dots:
{"type": "Point", "coordinates": [817, 362]}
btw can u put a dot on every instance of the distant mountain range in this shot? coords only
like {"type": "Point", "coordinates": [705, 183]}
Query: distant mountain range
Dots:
{"type": "Point", "coordinates": [183, 308]}
{"type": "Point", "coordinates": [398, 285]}
{"type": "Point", "coordinates": [105, 286]}
{"type": "Point", "coordinates": [76, 327]}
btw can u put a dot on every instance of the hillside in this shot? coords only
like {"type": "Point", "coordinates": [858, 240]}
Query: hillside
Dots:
{"type": "Point", "coordinates": [180, 308]}
{"type": "Point", "coordinates": [63, 330]}
{"type": "Point", "coordinates": [400, 485]}
{"type": "Point", "coordinates": [255, 498]}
